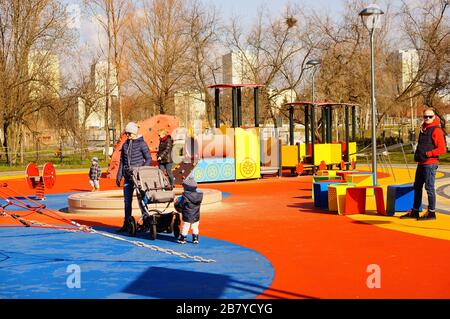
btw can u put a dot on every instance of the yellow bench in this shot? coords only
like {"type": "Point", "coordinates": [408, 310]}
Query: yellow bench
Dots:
{"type": "Point", "coordinates": [336, 197]}
{"type": "Point", "coordinates": [329, 173]}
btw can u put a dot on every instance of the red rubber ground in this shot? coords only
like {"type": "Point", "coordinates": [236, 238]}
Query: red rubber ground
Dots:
{"type": "Point", "coordinates": [315, 254]}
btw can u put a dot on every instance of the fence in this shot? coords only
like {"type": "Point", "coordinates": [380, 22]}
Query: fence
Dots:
{"type": "Point", "coordinates": [66, 156]}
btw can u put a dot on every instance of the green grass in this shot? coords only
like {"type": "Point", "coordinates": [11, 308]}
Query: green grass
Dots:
{"type": "Point", "coordinates": [69, 161]}
{"type": "Point", "coordinates": [397, 158]}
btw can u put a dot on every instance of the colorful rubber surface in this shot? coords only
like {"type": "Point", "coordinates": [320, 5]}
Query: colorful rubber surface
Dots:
{"type": "Point", "coordinates": [38, 263]}
{"type": "Point", "coordinates": [286, 249]}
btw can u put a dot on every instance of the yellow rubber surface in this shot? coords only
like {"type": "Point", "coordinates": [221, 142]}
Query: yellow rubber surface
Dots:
{"type": "Point", "coordinates": [439, 228]}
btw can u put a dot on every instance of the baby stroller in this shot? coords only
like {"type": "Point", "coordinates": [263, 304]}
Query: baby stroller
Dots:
{"type": "Point", "coordinates": [152, 187]}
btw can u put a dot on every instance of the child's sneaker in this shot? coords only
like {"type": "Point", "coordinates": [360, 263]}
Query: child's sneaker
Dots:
{"type": "Point", "coordinates": [182, 239]}
{"type": "Point", "coordinates": [195, 239]}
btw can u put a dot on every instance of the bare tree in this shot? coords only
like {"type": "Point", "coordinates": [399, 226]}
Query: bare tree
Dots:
{"type": "Point", "coordinates": [158, 43]}
{"type": "Point", "coordinates": [345, 69]}
{"type": "Point", "coordinates": [427, 29]}
{"type": "Point", "coordinates": [80, 101]}
{"type": "Point", "coordinates": [30, 32]}
{"type": "Point", "coordinates": [113, 15]}
{"type": "Point", "coordinates": [274, 53]}
{"type": "Point", "coordinates": [203, 34]}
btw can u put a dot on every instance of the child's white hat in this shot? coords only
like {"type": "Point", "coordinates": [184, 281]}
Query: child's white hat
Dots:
{"type": "Point", "coordinates": [190, 182]}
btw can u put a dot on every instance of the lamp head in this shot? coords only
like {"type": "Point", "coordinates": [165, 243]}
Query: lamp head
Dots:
{"type": "Point", "coordinates": [313, 63]}
{"type": "Point", "coordinates": [371, 17]}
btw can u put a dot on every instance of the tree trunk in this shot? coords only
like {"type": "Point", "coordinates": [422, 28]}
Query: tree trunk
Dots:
{"type": "Point", "coordinates": [209, 108]}
{"type": "Point", "coordinates": [107, 84]}
{"type": "Point", "coordinates": [5, 142]}
{"type": "Point", "coordinates": [21, 138]}
{"type": "Point", "coordinates": [11, 142]}
{"type": "Point", "coordinates": [161, 104]}
{"type": "Point", "coordinates": [119, 101]}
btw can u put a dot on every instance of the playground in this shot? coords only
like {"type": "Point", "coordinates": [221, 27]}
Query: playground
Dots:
{"type": "Point", "coordinates": [282, 221]}
{"type": "Point", "coordinates": [277, 246]}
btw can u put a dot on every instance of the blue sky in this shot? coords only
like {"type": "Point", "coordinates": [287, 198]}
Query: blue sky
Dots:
{"type": "Point", "coordinates": [250, 7]}
{"type": "Point", "coordinates": [246, 9]}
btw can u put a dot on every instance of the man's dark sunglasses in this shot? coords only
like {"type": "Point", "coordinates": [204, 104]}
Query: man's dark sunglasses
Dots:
{"type": "Point", "coordinates": [428, 116]}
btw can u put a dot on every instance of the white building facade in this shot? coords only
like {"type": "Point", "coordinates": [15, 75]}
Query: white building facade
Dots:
{"type": "Point", "coordinates": [236, 68]}
{"type": "Point", "coordinates": [190, 107]}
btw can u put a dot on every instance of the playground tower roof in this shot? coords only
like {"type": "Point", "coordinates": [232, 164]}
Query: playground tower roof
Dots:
{"type": "Point", "coordinates": [231, 86]}
{"type": "Point", "coordinates": [320, 104]}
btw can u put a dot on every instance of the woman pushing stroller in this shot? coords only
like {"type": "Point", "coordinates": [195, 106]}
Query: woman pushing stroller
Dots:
{"type": "Point", "coordinates": [135, 153]}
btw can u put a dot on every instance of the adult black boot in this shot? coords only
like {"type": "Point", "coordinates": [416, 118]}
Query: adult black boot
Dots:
{"type": "Point", "coordinates": [124, 228]}
{"type": "Point", "coordinates": [411, 214]}
{"type": "Point", "coordinates": [429, 215]}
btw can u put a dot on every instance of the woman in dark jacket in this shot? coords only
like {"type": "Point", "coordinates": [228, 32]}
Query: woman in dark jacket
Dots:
{"type": "Point", "coordinates": [165, 154]}
{"type": "Point", "coordinates": [134, 153]}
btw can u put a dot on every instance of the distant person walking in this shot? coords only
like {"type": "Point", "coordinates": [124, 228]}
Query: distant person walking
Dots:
{"type": "Point", "coordinates": [431, 144]}
{"type": "Point", "coordinates": [164, 156]}
{"type": "Point", "coordinates": [135, 153]}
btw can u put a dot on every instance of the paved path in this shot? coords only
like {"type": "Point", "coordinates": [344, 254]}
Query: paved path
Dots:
{"type": "Point", "coordinates": [442, 191]}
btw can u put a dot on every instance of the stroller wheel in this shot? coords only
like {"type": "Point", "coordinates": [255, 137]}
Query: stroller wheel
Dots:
{"type": "Point", "coordinates": [132, 226]}
{"type": "Point", "coordinates": [176, 231]}
{"type": "Point", "coordinates": [153, 232]}
{"type": "Point", "coordinates": [176, 226]}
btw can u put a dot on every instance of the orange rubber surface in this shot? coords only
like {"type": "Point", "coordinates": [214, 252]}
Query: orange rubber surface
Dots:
{"type": "Point", "coordinates": [315, 254]}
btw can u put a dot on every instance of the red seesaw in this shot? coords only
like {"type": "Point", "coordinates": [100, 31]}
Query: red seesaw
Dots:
{"type": "Point", "coordinates": [40, 183]}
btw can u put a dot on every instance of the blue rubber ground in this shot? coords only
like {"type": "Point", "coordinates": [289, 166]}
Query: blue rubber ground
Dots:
{"type": "Point", "coordinates": [34, 264]}
{"type": "Point", "coordinates": [52, 201]}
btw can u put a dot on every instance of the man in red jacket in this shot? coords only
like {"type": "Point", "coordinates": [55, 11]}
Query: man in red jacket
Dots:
{"type": "Point", "coordinates": [431, 144]}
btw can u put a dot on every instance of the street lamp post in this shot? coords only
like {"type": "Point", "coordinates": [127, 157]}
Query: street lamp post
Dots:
{"type": "Point", "coordinates": [370, 17]}
{"type": "Point", "coordinates": [312, 64]}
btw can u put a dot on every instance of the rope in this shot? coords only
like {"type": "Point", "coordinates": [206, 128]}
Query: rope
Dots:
{"type": "Point", "coordinates": [86, 229]}
{"type": "Point", "coordinates": [153, 247]}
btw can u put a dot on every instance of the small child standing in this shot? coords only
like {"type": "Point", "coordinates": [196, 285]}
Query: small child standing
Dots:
{"type": "Point", "coordinates": [188, 204]}
{"type": "Point", "coordinates": [94, 175]}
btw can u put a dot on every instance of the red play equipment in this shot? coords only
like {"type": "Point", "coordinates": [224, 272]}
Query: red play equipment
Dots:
{"type": "Point", "coordinates": [149, 130]}
{"type": "Point", "coordinates": [40, 183]}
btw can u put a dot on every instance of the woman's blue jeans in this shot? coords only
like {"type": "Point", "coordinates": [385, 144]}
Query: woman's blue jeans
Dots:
{"type": "Point", "coordinates": [168, 168]}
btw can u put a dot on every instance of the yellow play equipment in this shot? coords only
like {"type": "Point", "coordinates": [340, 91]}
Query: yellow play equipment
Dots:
{"type": "Point", "coordinates": [304, 157]}
{"type": "Point", "coordinates": [227, 154]}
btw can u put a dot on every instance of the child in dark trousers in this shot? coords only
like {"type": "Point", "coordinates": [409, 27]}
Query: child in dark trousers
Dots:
{"type": "Point", "coordinates": [188, 204]}
{"type": "Point", "coordinates": [95, 173]}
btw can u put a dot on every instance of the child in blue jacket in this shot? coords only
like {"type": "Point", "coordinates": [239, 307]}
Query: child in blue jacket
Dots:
{"type": "Point", "coordinates": [189, 205]}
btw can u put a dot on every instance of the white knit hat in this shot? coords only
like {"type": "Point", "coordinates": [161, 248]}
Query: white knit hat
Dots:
{"type": "Point", "coordinates": [190, 182]}
{"type": "Point", "coordinates": [131, 128]}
